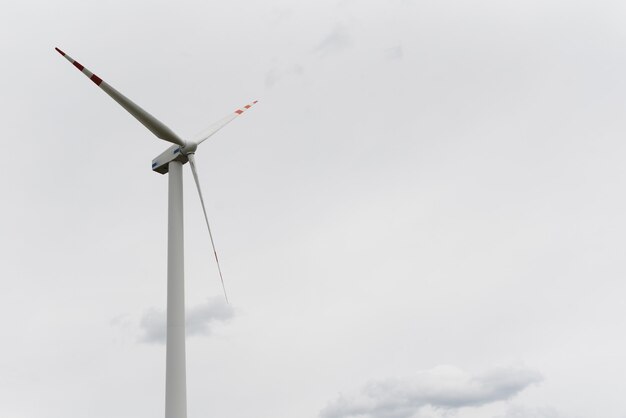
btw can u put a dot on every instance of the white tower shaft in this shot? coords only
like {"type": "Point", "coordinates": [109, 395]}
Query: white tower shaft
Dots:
{"type": "Point", "coordinates": [175, 369]}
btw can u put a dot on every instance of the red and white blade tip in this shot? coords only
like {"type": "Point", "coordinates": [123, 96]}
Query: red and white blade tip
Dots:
{"type": "Point", "coordinates": [246, 107]}
{"type": "Point", "coordinates": [81, 68]}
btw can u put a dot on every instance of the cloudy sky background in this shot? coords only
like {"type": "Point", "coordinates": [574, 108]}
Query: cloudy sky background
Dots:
{"type": "Point", "coordinates": [423, 216]}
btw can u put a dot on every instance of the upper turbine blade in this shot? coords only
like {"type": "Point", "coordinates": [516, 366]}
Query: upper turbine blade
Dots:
{"type": "Point", "coordinates": [153, 124]}
{"type": "Point", "coordinates": [192, 163]}
{"type": "Point", "coordinates": [208, 132]}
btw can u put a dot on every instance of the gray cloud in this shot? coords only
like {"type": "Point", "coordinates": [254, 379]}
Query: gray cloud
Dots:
{"type": "Point", "coordinates": [199, 320]}
{"type": "Point", "coordinates": [443, 387]}
{"type": "Point", "coordinates": [524, 412]}
{"type": "Point", "coordinates": [201, 317]}
{"type": "Point", "coordinates": [153, 326]}
{"type": "Point", "coordinates": [337, 40]}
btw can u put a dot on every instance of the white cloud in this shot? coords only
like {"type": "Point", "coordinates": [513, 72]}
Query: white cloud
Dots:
{"type": "Point", "coordinates": [444, 387]}
{"type": "Point", "coordinates": [199, 320]}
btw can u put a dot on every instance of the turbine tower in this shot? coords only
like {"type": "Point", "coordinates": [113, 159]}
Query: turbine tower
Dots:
{"type": "Point", "coordinates": [171, 161]}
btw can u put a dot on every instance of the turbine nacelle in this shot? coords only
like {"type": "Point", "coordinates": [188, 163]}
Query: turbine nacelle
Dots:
{"type": "Point", "coordinates": [174, 153]}
{"type": "Point", "coordinates": [161, 163]}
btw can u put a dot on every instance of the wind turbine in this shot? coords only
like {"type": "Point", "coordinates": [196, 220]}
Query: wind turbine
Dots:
{"type": "Point", "coordinates": [171, 161]}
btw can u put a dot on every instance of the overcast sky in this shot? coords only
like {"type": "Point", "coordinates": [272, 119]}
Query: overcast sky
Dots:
{"type": "Point", "coordinates": [423, 217]}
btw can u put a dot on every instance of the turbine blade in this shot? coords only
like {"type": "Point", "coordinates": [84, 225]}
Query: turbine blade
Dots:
{"type": "Point", "coordinates": [153, 124]}
{"type": "Point", "coordinates": [208, 132]}
{"type": "Point", "coordinates": [192, 163]}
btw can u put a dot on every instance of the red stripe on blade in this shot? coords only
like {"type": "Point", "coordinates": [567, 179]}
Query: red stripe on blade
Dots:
{"type": "Point", "coordinates": [59, 51]}
{"type": "Point", "coordinates": [77, 65]}
{"type": "Point", "coordinates": [239, 111]}
{"type": "Point", "coordinates": [255, 102]}
{"type": "Point", "coordinates": [247, 106]}
{"type": "Point", "coordinates": [96, 79]}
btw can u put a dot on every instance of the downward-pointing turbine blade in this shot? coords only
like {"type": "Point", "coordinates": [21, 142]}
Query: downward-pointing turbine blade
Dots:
{"type": "Point", "coordinates": [153, 124]}
{"type": "Point", "coordinates": [208, 132]}
{"type": "Point", "coordinates": [192, 163]}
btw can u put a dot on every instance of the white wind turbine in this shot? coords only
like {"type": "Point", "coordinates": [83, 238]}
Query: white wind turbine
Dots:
{"type": "Point", "coordinates": [171, 161]}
